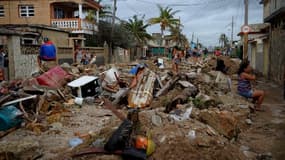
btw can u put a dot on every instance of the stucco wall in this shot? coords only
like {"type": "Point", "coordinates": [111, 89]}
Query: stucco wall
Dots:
{"type": "Point", "coordinates": [276, 5]}
{"type": "Point", "coordinates": [277, 54]}
{"type": "Point", "coordinates": [12, 16]}
{"type": "Point", "coordinates": [58, 38]}
{"type": "Point", "coordinates": [259, 56]}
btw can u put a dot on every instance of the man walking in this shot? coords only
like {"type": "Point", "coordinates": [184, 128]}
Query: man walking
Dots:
{"type": "Point", "coordinates": [47, 57]}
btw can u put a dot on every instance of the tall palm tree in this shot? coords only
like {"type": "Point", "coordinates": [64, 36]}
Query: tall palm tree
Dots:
{"type": "Point", "coordinates": [165, 19]}
{"type": "Point", "coordinates": [223, 40]}
{"type": "Point", "coordinates": [178, 37]}
{"type": "Point", "coordinates": [137, 28]}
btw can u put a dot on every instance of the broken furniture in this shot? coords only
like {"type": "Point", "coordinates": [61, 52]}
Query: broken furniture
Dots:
{"type": "Point", "coordinates": [85, 86]}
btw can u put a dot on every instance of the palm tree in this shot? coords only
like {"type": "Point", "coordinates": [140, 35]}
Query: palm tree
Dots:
{"type": "Point", "coordinates": [177, 36]}
{"type": "Point", "coordinates": [223, 40]}
{"type": "Point", "coordinates": [137, 28]}
{"type": "Point", "coordinates": [165, 19]}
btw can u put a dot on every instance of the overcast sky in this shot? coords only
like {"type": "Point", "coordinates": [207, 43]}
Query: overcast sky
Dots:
{"type": "Point", "coordinates": [206, 18]}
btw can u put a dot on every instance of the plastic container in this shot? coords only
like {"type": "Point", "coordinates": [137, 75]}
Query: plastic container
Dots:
{"type": "Point", "coordinates": [110, 77]}
{"type": "Point", "coordinates": [9, 117]}
{"type": "Point", "coordinates": [78, 101]}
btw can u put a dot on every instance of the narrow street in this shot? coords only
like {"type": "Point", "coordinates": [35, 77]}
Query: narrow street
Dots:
{"type": "Point", "coordinates": [267, 133]}
{"type": "Point", "coordinates": [142, 80]}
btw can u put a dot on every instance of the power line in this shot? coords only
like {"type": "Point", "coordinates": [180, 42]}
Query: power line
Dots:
{"type": "Point", "coordinates": [183, 4]}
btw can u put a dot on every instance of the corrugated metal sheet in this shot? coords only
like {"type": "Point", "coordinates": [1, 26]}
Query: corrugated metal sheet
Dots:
{"type": "Point", "coordinates": [142, 95]}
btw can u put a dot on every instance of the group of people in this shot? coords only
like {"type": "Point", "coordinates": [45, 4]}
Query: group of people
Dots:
{"type": "Point", "coordinates": [178, 55]}
{"type": "Point", "coordinates": [48, 54]}
{"type": "Point", "coordinates": [84, 57]}
{"type": "Point", "coordinates": [245, 77]}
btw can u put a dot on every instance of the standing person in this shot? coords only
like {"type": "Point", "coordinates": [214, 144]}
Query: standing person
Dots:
{"type": "Point", "coordinates": [206, 52]}
{"type": "Point", "coordinates": [78, 55]}
{"type": "Point", "coordinates": [244, 86]}
{"type": "Point", "coordinates": [92, 59]}
{"type": "Point", "coordinates": [175, 59]}
{"type": "Point", "coordinates": [47, 57]}
{"type": "Point", "coordinates": [2, 62]}
{"type": "Point", "coordinates": [217, 52]}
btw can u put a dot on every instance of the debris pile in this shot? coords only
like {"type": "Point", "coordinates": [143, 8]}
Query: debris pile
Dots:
{"type": "Point", "coordinates": [134, 111]}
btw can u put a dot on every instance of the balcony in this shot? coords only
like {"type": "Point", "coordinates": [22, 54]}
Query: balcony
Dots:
{"type": "Point", "coordinates": [75, 25]}
{"type": "Point", "coordinates": [76, 16]}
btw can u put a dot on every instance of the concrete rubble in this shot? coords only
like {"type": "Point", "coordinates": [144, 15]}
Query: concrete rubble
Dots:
{"type": "Point", "coordinates": [193, 115]}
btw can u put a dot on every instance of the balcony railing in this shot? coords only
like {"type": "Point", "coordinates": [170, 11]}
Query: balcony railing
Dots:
{"type": "Point", "coordinates": [76, 25]}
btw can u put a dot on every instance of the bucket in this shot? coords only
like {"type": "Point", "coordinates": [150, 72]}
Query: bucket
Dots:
{"type": "Point", "coordinates": [9, 117]}
{"type": "Point", "coordinates": [110, 77]}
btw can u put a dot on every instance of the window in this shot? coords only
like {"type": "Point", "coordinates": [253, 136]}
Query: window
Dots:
{"type": "Point", "coordinates": [26, 10]}
{"type": "Point", "coordinates": [1, 11]}
{"type": "Point", "coordinates": [58, 13]}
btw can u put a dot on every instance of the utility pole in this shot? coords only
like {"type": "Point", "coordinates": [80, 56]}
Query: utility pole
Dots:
{"type": "Point", "coordinates": [245, 39]}
{"type": "Point", "coordinates": [232, 35]}
{"type": "Point", "coordinates": [197, 42]}
{"type": "Point", "coordinates": [192, 37]}
{"type": "Point", "coordinates": [112, 31]}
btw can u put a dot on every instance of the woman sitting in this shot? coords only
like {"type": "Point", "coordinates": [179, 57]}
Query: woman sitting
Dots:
{"type": "Point", "coordinates": [244, 86]}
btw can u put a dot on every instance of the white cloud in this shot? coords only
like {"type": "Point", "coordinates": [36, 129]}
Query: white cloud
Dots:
{"type": "Point", "coordinates": [206, 18]}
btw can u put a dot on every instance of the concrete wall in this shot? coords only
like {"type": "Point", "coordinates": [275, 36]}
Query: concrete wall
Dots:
{"type": "Point", "coordinates": [100, 52]}
{"type": "Point", "coordinates": [265, 57]}
{"type": "Point", "coordinates": [276, 5]}
{"type": "Point", "coordinates": [12, 16]}
{"type": "Point", "coordinates": [259, 56]}
{"type": "Point", "coordinates": [266, 9]}
{"type": "Point", "coordinates": [22, 59]}
{"type": "Point", "coordinates": [122, 55]}
{"type": "Point", "coordinates": [57, 37]}
{"type": "Point", "coordinates": [253, 55]}
{"type": "Point", "coordinates": [277, 54]}
{"type": "Point", "coordinates": [65, 55]}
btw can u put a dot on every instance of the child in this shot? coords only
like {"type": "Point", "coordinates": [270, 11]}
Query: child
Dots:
{"type": "Point", "coordinates": [175, 60]}
{"type": "Point", "coordinates": [244, 86]}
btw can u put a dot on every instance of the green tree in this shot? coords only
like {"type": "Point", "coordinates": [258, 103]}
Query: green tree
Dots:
{"type": "Point", "coordinates": [122, 37]}
{"type": "Point", "coordinates": [137, 29]}
{"type": "Point", "coordinates": [177, 36]}
{"type": "Point", "coordinates": [166, 18]}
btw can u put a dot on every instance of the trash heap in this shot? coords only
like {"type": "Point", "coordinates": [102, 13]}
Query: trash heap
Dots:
{"type": "Point", "coordinates": [90, 112]}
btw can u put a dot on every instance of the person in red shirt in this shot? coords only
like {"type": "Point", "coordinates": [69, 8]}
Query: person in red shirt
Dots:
{"type": "Point", "coordinates": [218, 52]}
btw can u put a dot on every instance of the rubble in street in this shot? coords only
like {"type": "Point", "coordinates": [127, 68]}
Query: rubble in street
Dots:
{"type": "Point", "coordinates": [193, 115]}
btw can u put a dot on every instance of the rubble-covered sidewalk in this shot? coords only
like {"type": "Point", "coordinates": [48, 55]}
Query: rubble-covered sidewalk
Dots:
{"type": "Point", "coordinates": [196, 114]}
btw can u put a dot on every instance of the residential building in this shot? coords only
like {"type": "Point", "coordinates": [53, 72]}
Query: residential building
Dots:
{"type": "Point", "coordinates": [159, 45]}
{"type": "Point", "coordinates": [274, 13]}
{"type": "Point", "coordinates": [258, 47]}
{"type": "Point", "coordinates": [76, 16]}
